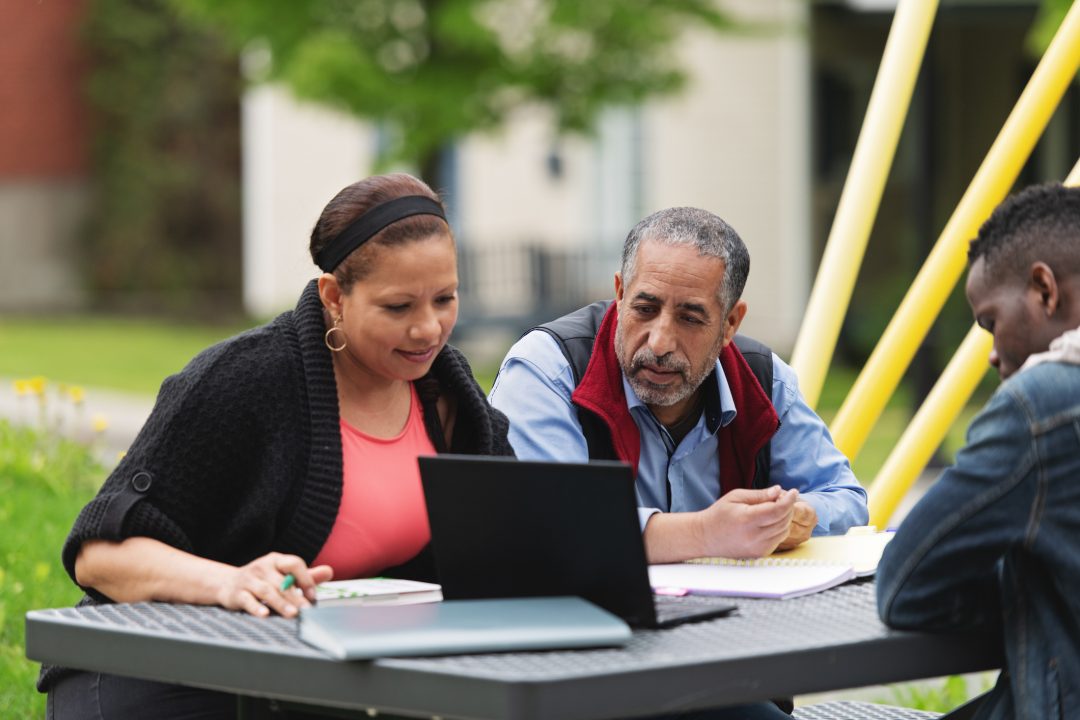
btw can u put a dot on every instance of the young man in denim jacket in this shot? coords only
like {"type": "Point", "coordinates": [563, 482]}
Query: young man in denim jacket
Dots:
{"type": "Point", "coordinates": [996, 542]}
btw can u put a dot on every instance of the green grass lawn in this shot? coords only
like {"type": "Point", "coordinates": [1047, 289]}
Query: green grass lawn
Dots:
{"type": "Point", "coordinates": [43, 485]}
{"type": "Point", "coordinates": [120, 354]}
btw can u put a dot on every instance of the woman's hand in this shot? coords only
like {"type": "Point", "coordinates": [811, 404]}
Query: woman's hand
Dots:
{"type": "Point", "coordinates": [141, 568]}
{"type": "Point", "coordinates": [256, 587]}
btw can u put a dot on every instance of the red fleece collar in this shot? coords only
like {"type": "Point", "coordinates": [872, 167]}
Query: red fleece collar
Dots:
{"type": "Point", "coordinates": [601, 392]}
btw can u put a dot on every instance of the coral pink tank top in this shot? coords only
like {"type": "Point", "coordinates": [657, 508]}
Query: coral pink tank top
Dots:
{"type": "Point", "coordinates": [382, 520]}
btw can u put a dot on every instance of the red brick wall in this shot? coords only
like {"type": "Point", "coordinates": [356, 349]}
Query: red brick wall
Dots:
{"type": "Point", "coordinates": [43, 117]}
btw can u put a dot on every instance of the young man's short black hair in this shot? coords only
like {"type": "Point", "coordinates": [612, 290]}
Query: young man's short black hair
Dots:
{"type": "Point", "coordinates": [1038, 224]}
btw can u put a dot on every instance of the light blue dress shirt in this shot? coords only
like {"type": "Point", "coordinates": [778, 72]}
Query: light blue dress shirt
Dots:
{"type": "Point", "coordinates": [534, 386]}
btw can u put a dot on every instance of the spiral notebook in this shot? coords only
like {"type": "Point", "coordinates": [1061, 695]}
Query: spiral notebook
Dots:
{"type": "Point", "coordinates": [861, 548]}
{"type": "Point", "coordinates": [763, 579]}
{"type": "Point", "coordinates": [816, 565]}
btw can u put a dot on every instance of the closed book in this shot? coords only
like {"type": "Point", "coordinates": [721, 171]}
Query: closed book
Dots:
{"type": "Point", "coordinates": [377, 591]}
{"type": "Point", "coordinates": [359, 632]}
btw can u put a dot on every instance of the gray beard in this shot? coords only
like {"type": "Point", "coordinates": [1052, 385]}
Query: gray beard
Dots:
{"type": "Point", "coordinates": [661, 396]}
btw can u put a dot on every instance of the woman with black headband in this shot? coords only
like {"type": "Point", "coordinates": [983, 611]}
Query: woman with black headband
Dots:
{"type": "Point", "coordinates": [290, 449]}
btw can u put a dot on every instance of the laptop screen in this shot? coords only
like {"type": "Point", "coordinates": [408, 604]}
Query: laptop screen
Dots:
{"type": "Point", "coordinates": [507, 528]}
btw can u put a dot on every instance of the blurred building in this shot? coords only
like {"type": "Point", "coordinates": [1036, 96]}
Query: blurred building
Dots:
{"type": "Point", "coordinates": [44, 140]}
{"type": "Point", "coordinates": [762, 136]}
{"type": "Point", "coordinates": [541, 219]}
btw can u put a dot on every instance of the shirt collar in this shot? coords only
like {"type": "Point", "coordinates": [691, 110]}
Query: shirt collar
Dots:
{"type": "Point", "coordinates": [719, 404]}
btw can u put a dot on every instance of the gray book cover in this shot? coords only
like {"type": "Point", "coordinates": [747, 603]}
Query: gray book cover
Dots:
{"type": "Point", "coordinates": [357, 632]}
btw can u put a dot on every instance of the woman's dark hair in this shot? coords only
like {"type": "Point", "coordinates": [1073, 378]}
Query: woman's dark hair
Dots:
{"type": "Point", "coordinates": [357, 199]}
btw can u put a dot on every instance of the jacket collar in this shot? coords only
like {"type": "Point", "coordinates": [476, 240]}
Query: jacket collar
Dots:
{"type": "Point", "coordinates": [601, 391]}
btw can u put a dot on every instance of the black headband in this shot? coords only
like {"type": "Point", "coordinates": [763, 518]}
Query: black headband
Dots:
{"type": "Point", "coordinates": [363, 228]}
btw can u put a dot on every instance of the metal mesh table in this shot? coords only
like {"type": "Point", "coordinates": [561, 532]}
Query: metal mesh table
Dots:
{"type": "Point", "coordinates": [845, 710]}
{"type": "Point", "coordinates": [768, 649]}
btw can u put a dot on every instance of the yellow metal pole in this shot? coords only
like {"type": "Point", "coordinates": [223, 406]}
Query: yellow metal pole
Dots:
{"type": "Point", "coordinates": [1074, 177]}
{"type": "Point", "coordinates": [924, 300]}
{"type": "Point", "coordinates": [928, 428]}
{"type": "Point", "coordinates": [861, 195]}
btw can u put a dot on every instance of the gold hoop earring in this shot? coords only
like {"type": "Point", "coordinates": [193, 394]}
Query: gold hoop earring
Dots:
{"type": "Point", "coordinates": [329, 341]}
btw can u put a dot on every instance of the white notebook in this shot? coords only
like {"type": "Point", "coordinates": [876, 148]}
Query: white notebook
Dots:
{"type": "Point", "coordinates": [762, 579]}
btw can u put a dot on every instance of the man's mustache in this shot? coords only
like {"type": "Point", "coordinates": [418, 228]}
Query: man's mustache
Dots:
{"type": "Point", "coordinates": [667, 361]}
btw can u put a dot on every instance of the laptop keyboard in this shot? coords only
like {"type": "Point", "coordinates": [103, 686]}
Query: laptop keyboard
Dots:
{"type": "Point", "coordinates": [673, 609]}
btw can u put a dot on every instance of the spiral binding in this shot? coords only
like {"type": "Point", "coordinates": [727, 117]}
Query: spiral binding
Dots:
{"type": "Point", "coordinates": [760, 562]}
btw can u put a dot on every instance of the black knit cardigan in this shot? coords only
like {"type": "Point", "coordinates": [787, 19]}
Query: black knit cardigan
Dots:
{"type": "Point", "coordinates": [242, 456]}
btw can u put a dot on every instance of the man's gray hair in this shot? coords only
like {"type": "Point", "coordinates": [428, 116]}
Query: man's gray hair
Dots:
{"type": "Point", "coordinates": [701, 229]}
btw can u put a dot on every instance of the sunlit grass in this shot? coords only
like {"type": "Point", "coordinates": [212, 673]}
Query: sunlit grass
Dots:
{"type": "Point", "coordinates": [120, 354]}
{"type": "Point", "coordinates": [44, 482]}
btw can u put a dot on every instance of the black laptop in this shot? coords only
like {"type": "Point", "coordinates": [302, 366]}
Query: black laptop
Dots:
{"type": "Point", "coordinates": [507, 528]}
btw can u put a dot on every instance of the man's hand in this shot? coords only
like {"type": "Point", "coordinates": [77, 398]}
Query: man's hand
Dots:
{"type": "Point", "coordinates": [803, 522]}
{"type": "Point", "coordinates": [748, 523]}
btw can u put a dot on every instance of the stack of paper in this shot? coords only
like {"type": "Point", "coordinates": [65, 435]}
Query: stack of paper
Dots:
{"type": "Point", "coordinates": [377, 591]}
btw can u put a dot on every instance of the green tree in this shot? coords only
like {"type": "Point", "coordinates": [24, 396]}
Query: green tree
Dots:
{"type": "Point", "coordinates": [1047, 21]}
{"type": "Point", "coordinates": [433, 70]}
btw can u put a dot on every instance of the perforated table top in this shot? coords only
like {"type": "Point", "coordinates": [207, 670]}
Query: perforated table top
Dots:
{"type": "Point", "coordinates": [769, 648]}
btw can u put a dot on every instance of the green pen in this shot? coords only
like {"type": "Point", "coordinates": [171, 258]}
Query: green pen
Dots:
{"type": "Point", "coordinates": [287, 582]}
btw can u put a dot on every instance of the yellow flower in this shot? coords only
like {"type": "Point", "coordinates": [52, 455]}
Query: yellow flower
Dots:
{"type": "Point", "coordinates": [22, 387]}
{"type": "Point", "coordinates": [37, 385]}
{"type": "Point", "coordinates": [100, 423]}
{"type": "Point", "coordinates": [77, 394]}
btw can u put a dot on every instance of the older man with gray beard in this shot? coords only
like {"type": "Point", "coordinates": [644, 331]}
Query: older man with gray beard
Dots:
{"type": "Point", "coordinates": [729, 459]}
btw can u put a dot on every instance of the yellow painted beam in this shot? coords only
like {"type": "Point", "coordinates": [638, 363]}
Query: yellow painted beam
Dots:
{"type": "Point", "coordinates": [862, 192]}
{"type": "Point", "coordinates": [1074, 177]}
{"type": "Point", "coordinates": [939, 274]}
{"type": "Point", "coordinates": [927, 429]}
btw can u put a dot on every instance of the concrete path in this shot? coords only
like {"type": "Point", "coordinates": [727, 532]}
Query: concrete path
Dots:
{"type": "Point", "coordinates": [106, 418]}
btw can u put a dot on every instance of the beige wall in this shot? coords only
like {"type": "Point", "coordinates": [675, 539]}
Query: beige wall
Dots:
{"type": "Point", "coordinates": [736, 142]}
{"type": "Point", "coordinates": [506, 197]}
{"type": "Point", "coordinates": [297, 156]}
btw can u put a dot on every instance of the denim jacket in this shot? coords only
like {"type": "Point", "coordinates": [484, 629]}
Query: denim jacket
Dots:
{"type": "Point", "coordinates": [995, 543]}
